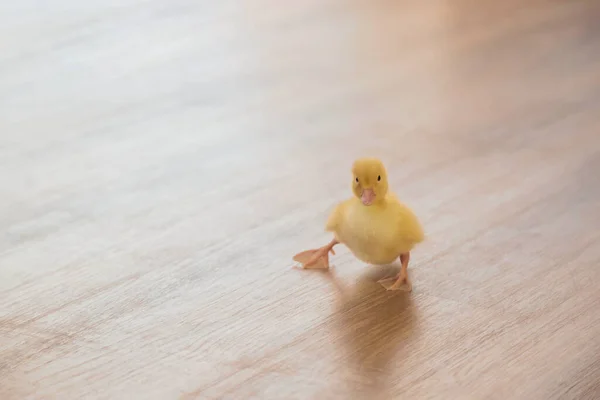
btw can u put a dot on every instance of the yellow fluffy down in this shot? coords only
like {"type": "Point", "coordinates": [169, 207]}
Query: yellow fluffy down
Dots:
{"type": "Point", "coordinates": [379, 233]}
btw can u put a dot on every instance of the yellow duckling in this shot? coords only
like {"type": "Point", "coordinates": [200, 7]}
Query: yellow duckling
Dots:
{"type": "Point", "coordinates": [374, 224]}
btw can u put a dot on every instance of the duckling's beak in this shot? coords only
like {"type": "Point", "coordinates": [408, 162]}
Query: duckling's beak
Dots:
{"type": "Point", "coordinates": [367, 197]}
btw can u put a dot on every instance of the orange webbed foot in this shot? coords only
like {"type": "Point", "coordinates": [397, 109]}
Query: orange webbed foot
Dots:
{"type": "Point", "coordinates": [400, 282]}
{"type": "Point", "coordinates": [313, 259]}
{"type": "Point", "coordinates": [316, 259]}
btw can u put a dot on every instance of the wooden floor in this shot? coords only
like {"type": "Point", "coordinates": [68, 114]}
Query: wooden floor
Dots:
{"type": "Point", "coordinates": [162, 161]}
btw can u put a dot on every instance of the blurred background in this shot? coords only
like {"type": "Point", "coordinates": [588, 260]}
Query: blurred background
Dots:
{"type": "Point", "coordinates": [162, 161]}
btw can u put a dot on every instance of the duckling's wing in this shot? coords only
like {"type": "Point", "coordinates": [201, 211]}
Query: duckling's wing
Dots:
{"type": "Point", "coordinates": [336, 217]}
{"type": "Point", "coordinates": [409, 225]}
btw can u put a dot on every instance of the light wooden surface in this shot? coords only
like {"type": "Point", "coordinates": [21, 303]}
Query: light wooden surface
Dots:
{"type": "Point", "coordinates": [162, 161]}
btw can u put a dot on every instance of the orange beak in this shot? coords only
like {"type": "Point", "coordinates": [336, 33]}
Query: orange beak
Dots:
{"type": "Point", "coordinates": [367, 197]}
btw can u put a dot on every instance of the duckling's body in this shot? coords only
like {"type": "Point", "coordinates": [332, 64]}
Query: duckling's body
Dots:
{"type": "Point", "coordinates": [377, 234]}
{"type": "Point", "coordinates": [376, 226]}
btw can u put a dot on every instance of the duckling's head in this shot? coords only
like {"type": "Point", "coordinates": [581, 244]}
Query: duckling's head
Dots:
{"type": "Point", "coordinates": [370, 182]}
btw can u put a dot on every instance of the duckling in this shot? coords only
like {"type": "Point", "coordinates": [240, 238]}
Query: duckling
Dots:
{"type": "Point", "coordinates": [373, 224]}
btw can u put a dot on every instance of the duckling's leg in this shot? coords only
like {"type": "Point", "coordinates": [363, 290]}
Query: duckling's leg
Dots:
{"type": "Point", "coordinates": [318, 258]}
{"type": "Point", "coordinates": [402, 278]}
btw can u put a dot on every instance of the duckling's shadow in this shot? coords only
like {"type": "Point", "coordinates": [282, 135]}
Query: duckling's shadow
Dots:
{"type": "Point", "coordinates": [374, 324]}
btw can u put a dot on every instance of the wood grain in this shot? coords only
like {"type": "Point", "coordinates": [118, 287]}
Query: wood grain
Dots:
{"type": "Point", "coordinates": [161, 162]}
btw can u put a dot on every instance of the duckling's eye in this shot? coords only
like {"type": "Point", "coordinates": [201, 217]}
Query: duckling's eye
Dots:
{"type": "Point", "coordinates": [378, 177]}
{"type": "Point", "coordinates": [356, 179]}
